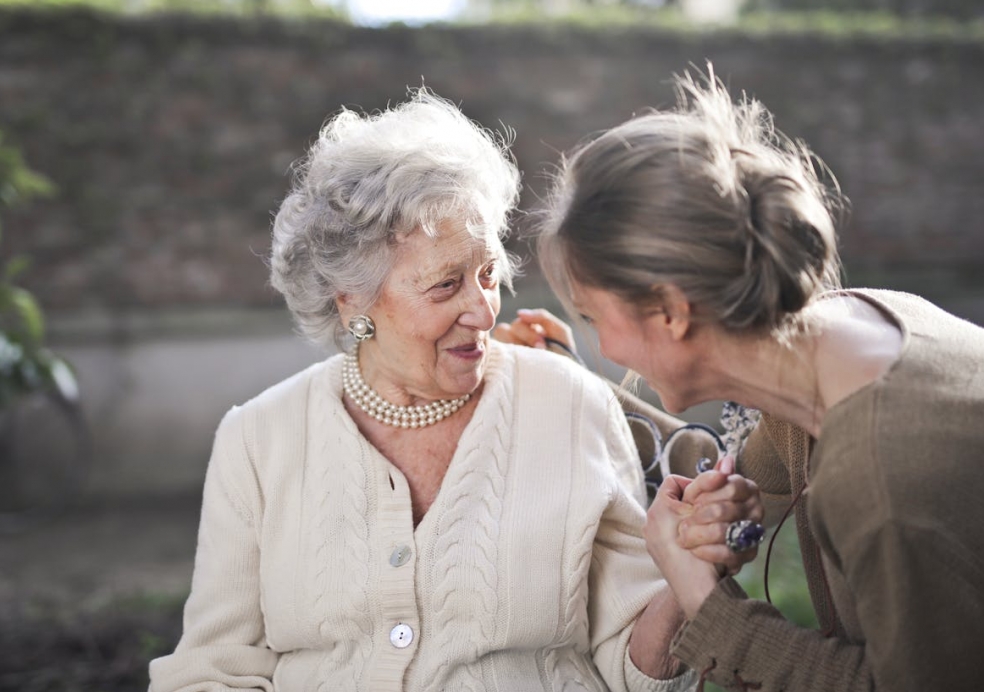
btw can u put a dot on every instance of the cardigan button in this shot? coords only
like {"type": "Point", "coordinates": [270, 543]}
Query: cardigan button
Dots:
{"type": "Point", "coordinates": [401, 636]}
{"type": "Point", "coordinates": [400, 556]}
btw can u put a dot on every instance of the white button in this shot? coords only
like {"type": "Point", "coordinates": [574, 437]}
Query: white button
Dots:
{"type": "Point", "coordinates": [400, 556]}
{"type": "Point", "coordinates": [401, 636]}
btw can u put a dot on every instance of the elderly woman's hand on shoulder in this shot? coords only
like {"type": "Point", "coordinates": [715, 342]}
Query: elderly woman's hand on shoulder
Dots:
{"type": "Point", "coordinates": [537, 328]}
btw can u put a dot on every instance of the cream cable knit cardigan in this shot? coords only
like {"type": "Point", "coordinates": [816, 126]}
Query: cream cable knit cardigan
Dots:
{"type": "Point", "coordinates": [527, 573]}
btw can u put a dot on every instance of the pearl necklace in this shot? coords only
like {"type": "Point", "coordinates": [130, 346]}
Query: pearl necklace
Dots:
{"type": "Point", "coordinates": [366, 398]}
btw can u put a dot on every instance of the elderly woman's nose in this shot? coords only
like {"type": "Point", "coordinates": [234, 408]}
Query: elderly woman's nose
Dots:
{"type": "Point", "coordinates": [479, 308]}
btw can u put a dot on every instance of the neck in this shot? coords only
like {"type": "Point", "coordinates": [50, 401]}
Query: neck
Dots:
{"type": "Point", "coordinates": [759, 372]}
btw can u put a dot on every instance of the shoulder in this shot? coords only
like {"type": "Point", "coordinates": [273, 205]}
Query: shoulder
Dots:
{"type": "Point", "coordinates": [548, 381]}
{"type": "Point", "coordinates": [912, 312]}
{"type": "Point", "coordinates": [257, 440]}
{"type": "Point", "coordinates": [288, 399]}
{"type": "Point", "coordinates": [548, 368]}
{"type": "Point", "coordinates": [556, 396]}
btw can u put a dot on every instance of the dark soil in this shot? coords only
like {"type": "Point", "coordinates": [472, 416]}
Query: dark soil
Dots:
{"type": "Point", "coordinates": [89, 597]}
{"type": "Point", "coordinates": [105, 651]}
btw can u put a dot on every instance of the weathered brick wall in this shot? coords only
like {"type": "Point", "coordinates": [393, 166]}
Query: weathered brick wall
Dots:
{"type": "Point", "coordinates": [170, 138]}
{"type": "Point", "coordinates": [170, 141]}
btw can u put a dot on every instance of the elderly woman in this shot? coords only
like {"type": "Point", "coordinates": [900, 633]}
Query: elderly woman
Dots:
{"type": "Point", "coordinates": [700, 245]}
{"type": "Point", "coordinates": [430, 510]}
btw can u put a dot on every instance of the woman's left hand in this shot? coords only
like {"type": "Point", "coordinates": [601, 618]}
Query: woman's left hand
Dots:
{"type": "Point", "coordinates": [719, 498]}
{"type": "Point", "coordinates": [533, 328]}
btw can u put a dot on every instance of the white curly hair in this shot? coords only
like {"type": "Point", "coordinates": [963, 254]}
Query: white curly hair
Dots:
{"type": "Point", "coordinates": [369, 180]}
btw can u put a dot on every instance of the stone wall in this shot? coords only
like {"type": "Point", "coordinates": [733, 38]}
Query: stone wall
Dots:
{"type": "Point", "coordinates": [170, 140]}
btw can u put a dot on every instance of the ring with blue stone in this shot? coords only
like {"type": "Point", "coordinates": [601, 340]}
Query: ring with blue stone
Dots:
{"type": "Point", "coordinates": [743, 535]}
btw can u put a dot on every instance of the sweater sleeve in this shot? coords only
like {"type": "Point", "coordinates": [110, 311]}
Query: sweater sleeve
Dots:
{"type": "Point", "coordinates": [910, 616]}
{"type": "Point", "coordinates": [761, 460]}
{"type": "Point", "coordinates": [622, 578]}
{"type": "Point", "coordinates": [736, 641]}
{"type": "Point", "coordinates": [740, 643]}
{"type": "Point", "coordinates": [223, 644]}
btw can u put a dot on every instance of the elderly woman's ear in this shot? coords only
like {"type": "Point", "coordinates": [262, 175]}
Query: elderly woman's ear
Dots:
{"type": "Point", "coordinates": [349, 306]}
{"type": "Point", "coordinates": [345, 307]}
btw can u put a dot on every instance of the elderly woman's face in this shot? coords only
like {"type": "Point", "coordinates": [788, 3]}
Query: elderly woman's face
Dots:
{"type": "Point", "coordinates": [434, 317]}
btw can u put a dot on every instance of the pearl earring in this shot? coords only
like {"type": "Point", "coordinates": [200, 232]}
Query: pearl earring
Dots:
{"type": "Point", "coordinates": [361, 327]}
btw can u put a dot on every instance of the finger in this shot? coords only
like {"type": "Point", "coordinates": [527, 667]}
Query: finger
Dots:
{"type": "Point", "coordinates": [692, 534]}
{"type": "Point", "coordinates": [727, 512]}
{"type": "Point", "coordinates": [723, 556]}
{"type": "Point", "coordinates": [529, 334]}
{"type": "Point", "coordinates": [519, 334]}
{"type": "Point", "coordinates": [735, 488]}
{"type": "Point", "coordinates": [706, 482]}
{"type": "Point", "coordinates": [725, 465]}
{"type": "Point", "coordinates": [553, 327]}
{"type": "Point", "coordinates": [670, 495]}
{"type": "Point", "coordinates": [503, 332]}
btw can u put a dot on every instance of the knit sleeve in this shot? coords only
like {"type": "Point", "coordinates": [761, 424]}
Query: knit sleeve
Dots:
{"type": "Point", "coordinates": [223, 644]}
{"type": "Point", "coordinates": [622, 578]}
{"type": "Point", "coordinates": [741, 644]}
{"type": "Point", "coordinates": [761, 459]}
{"type": "Point", "coordinates": [766, 457]}
{"type": "Point", "coordinates": [624, 454]}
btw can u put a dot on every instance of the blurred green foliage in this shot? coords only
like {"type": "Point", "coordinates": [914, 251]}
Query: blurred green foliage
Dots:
{"type": "Point", "coordinates": [234, 7]}
{"type": "Point", "coordinates": [25, 364]}
{"type": "Point", "coordinates": [838, 24]}
{"type": "Point", "coordinates": [888, 18]}
{"type": "Point", "coordinates": [787, 581]}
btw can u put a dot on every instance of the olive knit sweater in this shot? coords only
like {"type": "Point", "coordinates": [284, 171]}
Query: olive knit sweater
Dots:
{"type": "Point", "coordinates": [891, 528]}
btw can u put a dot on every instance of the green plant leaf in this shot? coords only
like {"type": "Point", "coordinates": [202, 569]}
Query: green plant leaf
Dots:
{"type": "Point", "coordinates": [30, 184]}
{"type": "Point", "coordinates": [10, 355]}
{"type": "Point", "coordinates": [30, 375]}
{"type": "Point", "coordinates": [15, 267]}
{"type": "Point", "coordinates": [25, 365]}
{"type": "Point", "coordinates": [27, 309]}
{"type": "Point", "coordinates": [61, 376]}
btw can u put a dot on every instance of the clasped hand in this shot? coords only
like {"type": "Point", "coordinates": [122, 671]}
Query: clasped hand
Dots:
{"type": "Point", "coordinates": [686, 527]}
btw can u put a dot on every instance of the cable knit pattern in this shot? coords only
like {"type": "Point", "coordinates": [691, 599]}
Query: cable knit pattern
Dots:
{"type": "Point", "coordinates": [350, 584]}
{"type": "Point", "coordinates": [569, 671]}
{"type": "Point", "coordinates": [466, 546]}
{"type": "Point", "coordinates": [505, 585]}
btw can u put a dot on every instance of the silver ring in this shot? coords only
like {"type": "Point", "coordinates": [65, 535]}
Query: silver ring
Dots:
{"type": "Point", "coordinates": [743, 535]}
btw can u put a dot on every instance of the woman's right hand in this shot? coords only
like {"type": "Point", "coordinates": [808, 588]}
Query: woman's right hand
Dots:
{"type": "Point", "coordinates": [533, 328]}
{"type": "Point", "coordinates": [691, 578]}
{"type": "Point", "coordinates": [719, 498]}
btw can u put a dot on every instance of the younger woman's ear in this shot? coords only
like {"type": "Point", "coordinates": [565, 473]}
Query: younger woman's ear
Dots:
{"type": "Point", "coordinates": [676, 311]}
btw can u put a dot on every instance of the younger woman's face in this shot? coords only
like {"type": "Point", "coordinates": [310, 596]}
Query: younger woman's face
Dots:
{"type": "Point", "coordinates": [638, 340]}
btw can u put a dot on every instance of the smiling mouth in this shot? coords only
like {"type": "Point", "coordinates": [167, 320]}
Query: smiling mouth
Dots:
{"type": "Point", "coordinates": [470, 349]}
